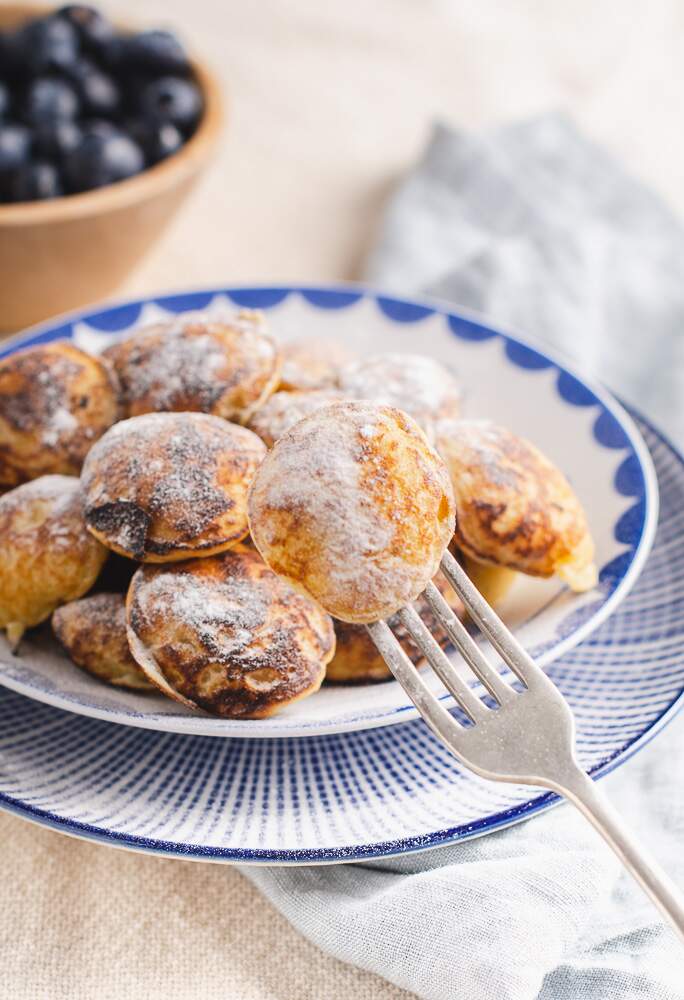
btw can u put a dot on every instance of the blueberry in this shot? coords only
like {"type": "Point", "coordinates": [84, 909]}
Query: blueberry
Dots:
{"type": "Point", "coordinates": [172, 100]}
{"type": "Point", "coordinates": [49, 99]}
{"type": "Point", "coordinates": [101, 127]}
{"type": "Point", "coordinates": [4, 100]}
{"type": "Point", "coordinates": [11, 56]}
{"type": "Point", "coordinates": [54, 140]}
{"type": "Point", "coordinates": [156, 52]}
{"type": "Point", "coordinates": [158, 140]}
{"type": "Point", "coordinates": [14, 146]}
{"type": "Point", "coordinates": [113, 54]}
{"type": "Point", "coordinates": [35, 181]}
{"type": "Point", "coordinates": [93, 30]}
{"type": "Point", "coordinates": [99, 93]}
{"type": "Point", "coordinates": [102, 159]}
{"type": "Point", "coordinates": [49, 43]}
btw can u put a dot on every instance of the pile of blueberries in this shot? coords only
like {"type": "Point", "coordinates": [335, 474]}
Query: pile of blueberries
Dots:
{"type": "Point", "coordinates": [82, 105]}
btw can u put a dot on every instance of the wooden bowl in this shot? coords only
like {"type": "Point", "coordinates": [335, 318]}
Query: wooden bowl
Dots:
{"type": "Point", "coordinates": [59, 254]}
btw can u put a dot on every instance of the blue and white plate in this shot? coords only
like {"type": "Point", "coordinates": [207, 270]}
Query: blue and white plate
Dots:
{"type": "Point", "coordinates": [577, 424]}
{"type": "Point", "coordinates": [352, 795]}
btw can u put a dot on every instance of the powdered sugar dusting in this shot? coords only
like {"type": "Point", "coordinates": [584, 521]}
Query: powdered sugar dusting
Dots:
{"type": "Point", "coordinates": [312, 363]}
{"type": "Point", "coordinates": [192, 361]}
{"type": "Point", "coordinates": [414, 383]}
{"type": "Point", "coordinates": [327, 475]}
{"type": "Point", "coordinates": [46, 512]}
{"type": "Point", "coordinates": [62, 422]}
{"type": "Point", "coordinates": [223, 616]}
{"type": "Point", "coordinates": [163, 480]}
{"type": "Point", "coordinates": [284, 409]}
{"type": "Point", "coordinates": [44, 406]}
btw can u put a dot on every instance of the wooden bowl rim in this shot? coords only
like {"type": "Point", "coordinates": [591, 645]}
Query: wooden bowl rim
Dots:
{"type": "Point", "coordinates": [151, 182]}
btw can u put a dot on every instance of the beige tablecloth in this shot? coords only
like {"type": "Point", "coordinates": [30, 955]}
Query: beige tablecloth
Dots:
{"type": "Point", "coordinates": [330, 101]}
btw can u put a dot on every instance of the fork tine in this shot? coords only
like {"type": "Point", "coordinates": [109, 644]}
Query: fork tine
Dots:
{"type": "Point", "coordinates": [467, 647]}
{"type": "Point", "coordinates": [506, 645]}
{"type": "Point", "coordinates": [473, 706]}
{"type": "Point", "coordinates": [438, 718]}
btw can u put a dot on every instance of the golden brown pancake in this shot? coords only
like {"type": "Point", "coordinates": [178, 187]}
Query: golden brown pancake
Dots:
{"type": "Point", "coordinates": [93, 632]}
{"type": "Point", "coordinates": [47, 556]}
{"type": "Point", "coordinates": [226, 366]}
{"type": "Point", "coordinates": [355, 507]}
{"type": "Point", "coordinates": [167, 486]}
{"type": "Point", "coordinates": [414, 383]}
{"type": "Point", "coordinates": [514, 508]}
{"type": "Point", "coordinates": [55, 401]}
{"type": "Point", "coordinates": [311, 363]}
{"type": "Point", "coordinates": [284, 409]}
{"type": "Point", "coordinates": [227, 635]}
{"type": "Point", "coordinates": [357, 660]}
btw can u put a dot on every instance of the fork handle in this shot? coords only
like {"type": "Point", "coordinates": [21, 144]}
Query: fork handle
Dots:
{"type": "Point", "coordinates": [595, 806]}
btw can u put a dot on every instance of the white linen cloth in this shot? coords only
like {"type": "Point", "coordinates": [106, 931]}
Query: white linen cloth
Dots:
{"type": "Point", "coordinates": [541, 230]}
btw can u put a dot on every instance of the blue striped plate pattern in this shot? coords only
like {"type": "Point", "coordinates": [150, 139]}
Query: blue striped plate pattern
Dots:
{"type": "Point", "coordinates": [354, 795]}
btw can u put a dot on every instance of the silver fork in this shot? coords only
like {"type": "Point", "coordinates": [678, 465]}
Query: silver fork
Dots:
{"type": "Point", "coordinates": [529, 738]}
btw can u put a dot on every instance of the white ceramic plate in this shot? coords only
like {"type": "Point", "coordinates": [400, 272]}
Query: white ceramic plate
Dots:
{"type": "Point", "coordinates": [351, 796]}
{"type": "Point", "coordinates": [578, 424]}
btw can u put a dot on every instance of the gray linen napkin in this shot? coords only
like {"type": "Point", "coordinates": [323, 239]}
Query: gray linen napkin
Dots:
{"type": "Point", "coordinates": [538, 228]}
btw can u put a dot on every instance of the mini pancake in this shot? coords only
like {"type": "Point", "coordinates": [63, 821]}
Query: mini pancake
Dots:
{"type": "Point", "coordinates": [222, 365]}
{"type": "Point", "coordinates": [312, 363]}
{"type": "Point", "coordinates": [47, 556]}
{"type": "Point", "coordinates": [167, 486]}
{"type": "Point", "coordinates": [227, 635]}
{"type": "Point", "coordinates": [357, 660]}
{"type": "Point", "coordinates": [514, 508]}
{"type": "Point", "coordinates": [355, 507]}
{"type": "Point", "coordinates": [414, 383]}
{"type": "Point", "coordinates": [284, 409]}
{"type": "Point", "coordinates": [93, 632]}
{"type": "Point", "coordinates": [55, 401]}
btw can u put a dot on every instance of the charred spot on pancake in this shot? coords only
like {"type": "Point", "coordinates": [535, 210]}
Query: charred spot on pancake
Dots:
{"type": "Point", "coordinates": [124, 522]}
{"type": "Point", "coordinates": [171, 485]}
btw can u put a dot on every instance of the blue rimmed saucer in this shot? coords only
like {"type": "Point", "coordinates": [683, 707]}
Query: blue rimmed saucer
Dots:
{"type": "Point", "coordinates": [352, 795]}
{"type": "Point", "coordinates": [578, 424]}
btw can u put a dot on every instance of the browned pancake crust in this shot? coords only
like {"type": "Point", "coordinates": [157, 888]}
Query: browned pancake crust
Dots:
{"type": "Point", "coordinates": [166, 486]}
{"type": "Point", "coordinates": [225, 366]}
{"type": "Point", "coordinates": [284, 409]}
{"type": "Point", "coordinates": [55, 401]}
{"type": "Point", "coordinates": [357, 660]}
{"type": "Point", "coordinates": [47, 556]}
{"type": "Point", "coordinates": [415, 383]}
{"type": "Point", "coordinates": [93, 632]}
{"type": "Point", "coordinates": [513, 506]}
{"type": "Point", "coordinates": [311, 363]}
{"type": "Point", "coordinates": [227, 635]}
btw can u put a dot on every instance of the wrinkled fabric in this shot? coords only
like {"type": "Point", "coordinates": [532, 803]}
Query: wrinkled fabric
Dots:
{"type": "Point", "coordinates": [538, 228]}
{"type": "Point", "coordinates": [542, 231]}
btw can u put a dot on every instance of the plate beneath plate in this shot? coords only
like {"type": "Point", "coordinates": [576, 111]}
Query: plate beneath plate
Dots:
{"type": "Point", "coordinates": [580, 426]}
{"type": "Point", "coordinates": [354, 795]}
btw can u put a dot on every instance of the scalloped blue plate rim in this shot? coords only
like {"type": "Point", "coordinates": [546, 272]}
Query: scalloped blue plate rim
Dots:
{"type": "Point", "coordinates": [436, 839]}
{"type": "Point", "coordinates": [521, 350]}
{"type": "Point", "coordinates": [356, 853]}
